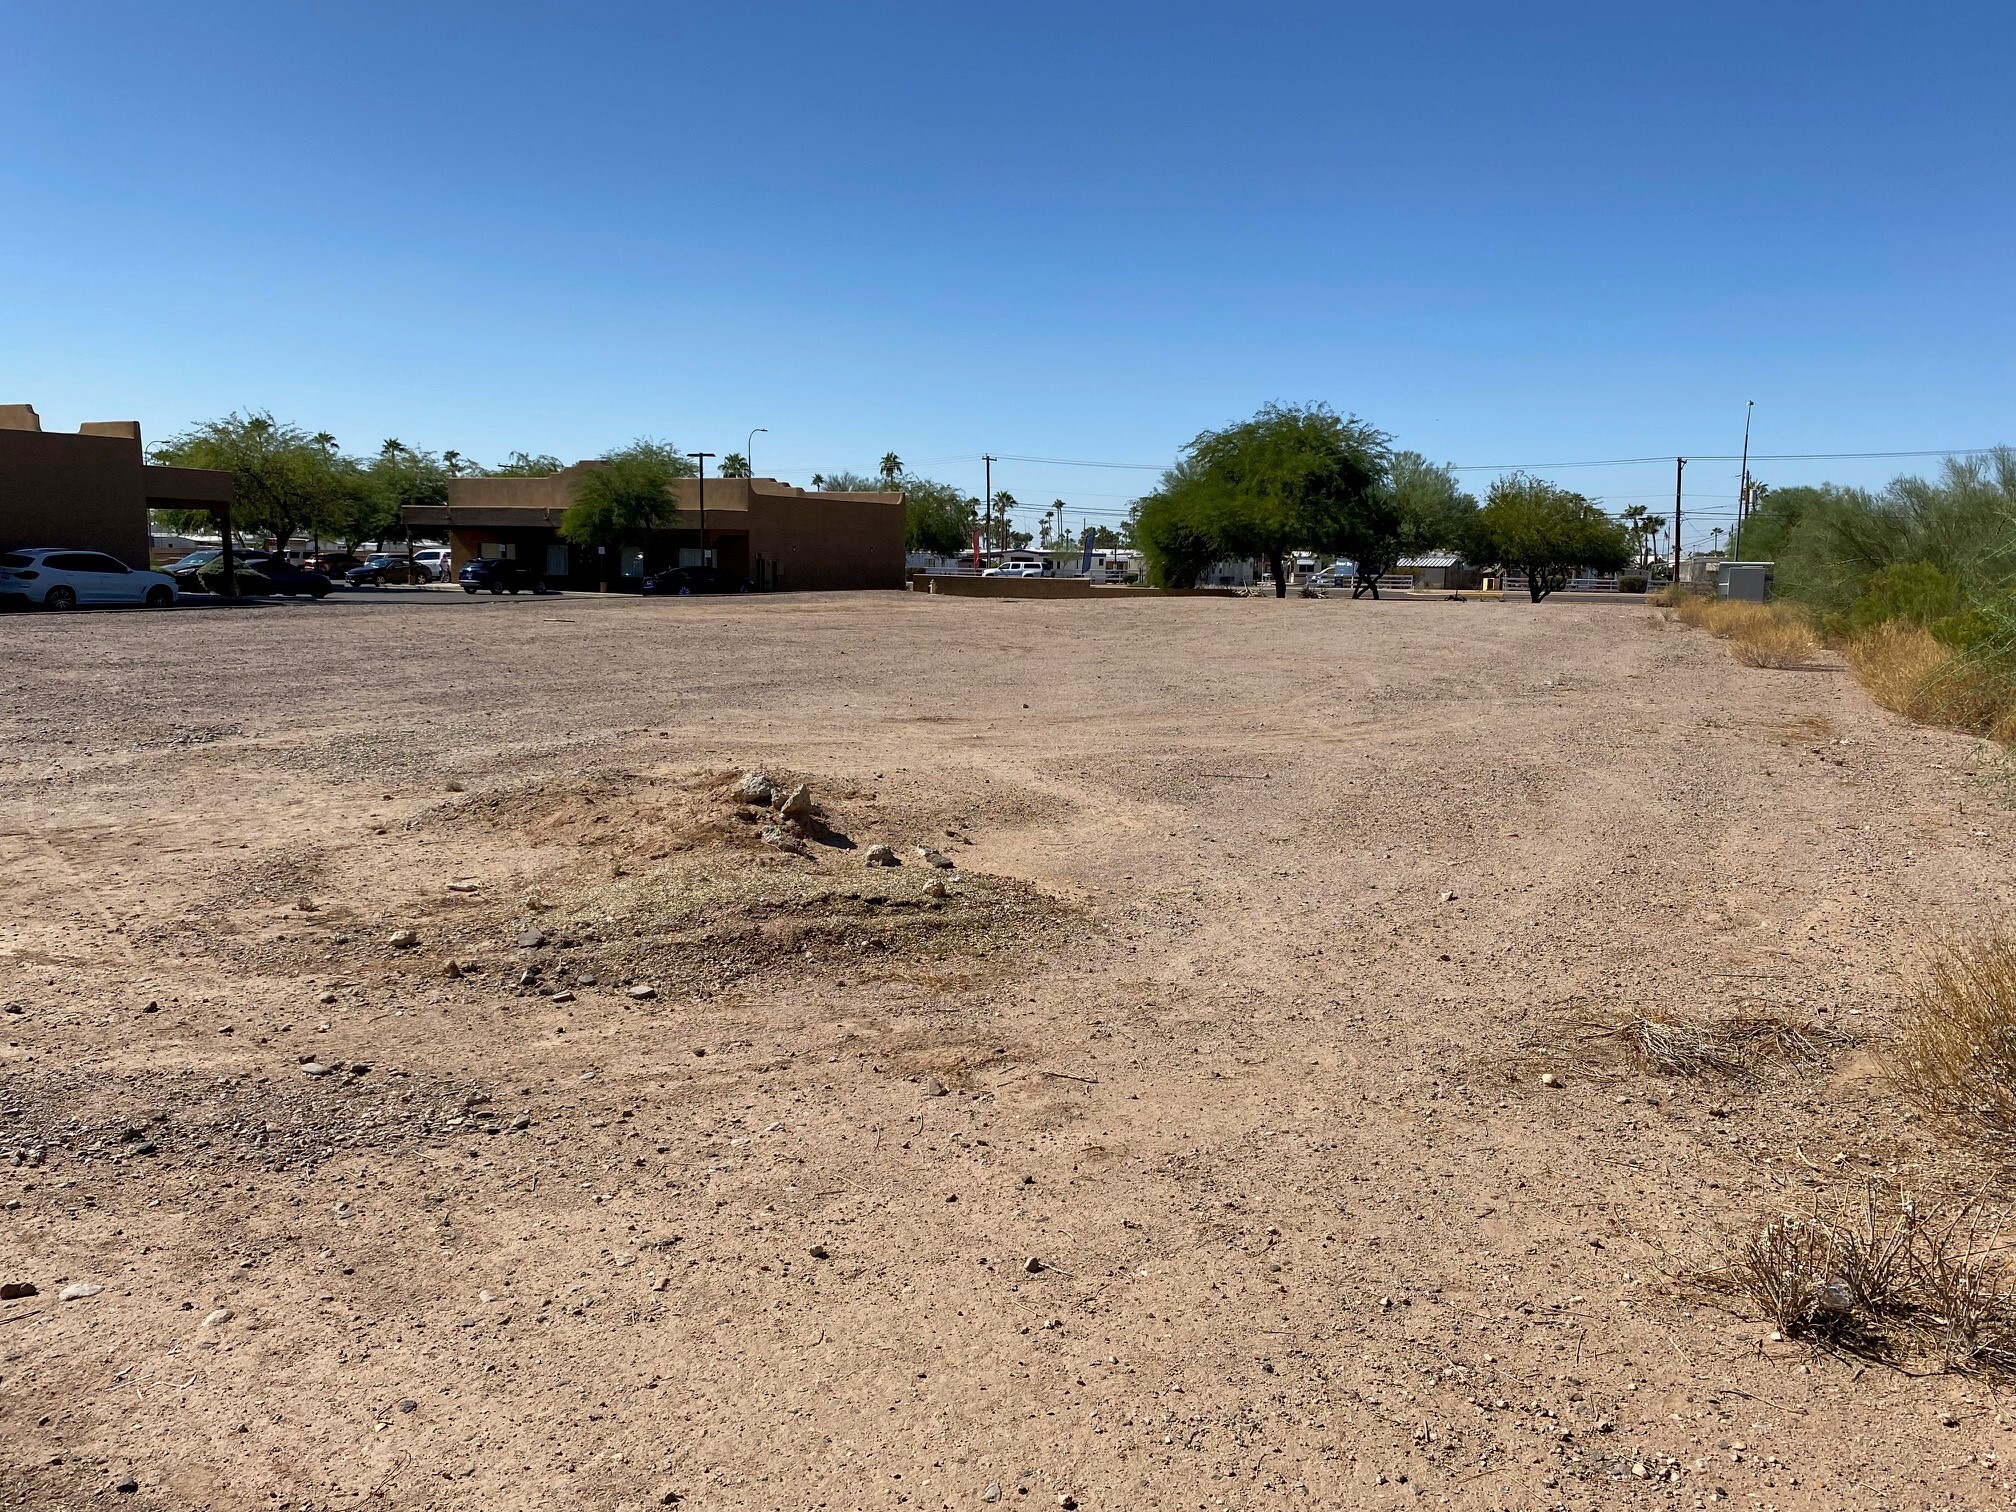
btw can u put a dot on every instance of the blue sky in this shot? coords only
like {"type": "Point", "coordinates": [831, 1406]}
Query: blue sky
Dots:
{"type": "Point", "coordinates": [1538, 233]}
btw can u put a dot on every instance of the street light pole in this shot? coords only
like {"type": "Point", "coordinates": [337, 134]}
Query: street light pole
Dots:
{"type": "Point", "coordinates": [749, 448]}
{"type": "Point", "coordinates": [701, 458]}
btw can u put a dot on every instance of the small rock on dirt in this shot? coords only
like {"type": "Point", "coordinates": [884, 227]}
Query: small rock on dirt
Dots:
{"type": "Point", "coordinates": [221, 1315]}
{"type": "Point", "coordinates": [531, 939]}
{"type": "Point", "coordinates": [12, 1291]}
{"type": "Point", "coordinates": [932, 1087]}
{"type": "Point", "coordinates": [935, 858]}
{"type": "Point", "coordinates": [935, 889]}
{"type": "Point", "coordinates": [126, 1485]}
{"type": "Point", "coordinates": [314, 1068]}
{"type": "Point", "coordinates": [1032, 1266]}
{"type": "Point", "coordinates": [642, 991]}
{"type": "Point", "coordinates": [1549, 1079]}
{"type": "Point", "coordinates": [403, 939]}
{"type": "Point", "coordinates": [880, 855]}
{"type": "Point", "coordinates": [797, 803]}
{"type": "Point", "coordinates": [992, 1493]}
{"type": "Point", "coordinates": [754, 788]}
{"type": "Point", "coordinates": [77, 1291]}
{"type": "Point", "coordinates": [819, 1252]}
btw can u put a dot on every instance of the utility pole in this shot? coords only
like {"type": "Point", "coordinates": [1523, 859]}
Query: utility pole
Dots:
{"type": "Point", "coordinates": [749, 447]}
{"type": "Point", "coordinates": [990, 500]}
{"type": "Point", "coordinates": [1743, 488]}
{"type": "Point", "coordinates": [1679, 467]}
{"type": "Point", "coordinates": [701, 458]}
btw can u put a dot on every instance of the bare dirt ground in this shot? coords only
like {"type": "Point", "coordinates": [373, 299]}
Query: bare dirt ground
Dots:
{"type": "Point", "coordinates": [1268, 919]}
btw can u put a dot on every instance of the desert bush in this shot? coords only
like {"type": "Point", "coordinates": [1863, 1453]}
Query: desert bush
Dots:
{"type": "Point", "coordinates": [1759, 635]}
{"type": "Point", "coordinates": [1955, 1052]}
{"type": "Point", "coordinates": [1888, 1277]}
{"type": "Point", "coordinates": [1907, 668]}
{"type": "Point", "coordinates": [1776, 638]}
{"type": "Point", "coordinates": [1631, 582]}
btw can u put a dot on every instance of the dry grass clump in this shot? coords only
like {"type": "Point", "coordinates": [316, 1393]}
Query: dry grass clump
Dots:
{"type": "Point", "coordinates": [1955, 1053]}
{"type": "Point", "coordinates": [1738, 1047]}
{"type": "Point", "coordinates": [1888, 1278]}
{"type": "Point", "coordinates": [1906, 669]}
{"type": "Point", "coordinates": [1772, 638]}
{"type": "Point", "coordinates": [1759, 635]}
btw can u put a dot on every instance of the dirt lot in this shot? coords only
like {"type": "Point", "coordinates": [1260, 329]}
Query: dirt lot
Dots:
{"type": "Point", "coordinates": [1191, 1150]}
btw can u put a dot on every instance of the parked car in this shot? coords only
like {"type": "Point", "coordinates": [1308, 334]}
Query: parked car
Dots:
{"type": "Point", "coordinates": [60, 579]}
{"type": "Point", "coordinates": [184, 572]}
{"type": "Point", "coordinates": [689, 580]}
{"type": "Point", "coordinates": [385, 568]}
{"type": "Point", "coordinates": [437, 560]}
{"type": "Point", "coordinates": [1015, 570]}
{"type": "Point", "coordinates": [333, 563]}
{"type": "Point", "coordinates": [499, 575]}
{"type": "Point", "coordinates": [264, 572]}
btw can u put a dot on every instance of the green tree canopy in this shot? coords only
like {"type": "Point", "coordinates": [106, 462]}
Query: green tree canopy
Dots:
{"type": "Point", "coordinates": [1294, 477]}
{"type": "Point", "coordinates": [282, 476]}
{"type": "Point", "coordinates": [734, 465]}
{"type": "Point", "coordinates": [520, 465]}
{"type": "Point", "coordinates": [628, 494]}
{"type": "Point", "coordinates": [1546, 532]}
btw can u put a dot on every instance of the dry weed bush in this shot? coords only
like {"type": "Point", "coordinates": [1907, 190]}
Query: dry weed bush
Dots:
{"type": "Point", "coordinates": [1759, 635]}
{"type": "Point", "coordinates": [1955, 1053]}
{"type": "Point", "coordinates": [1906, 669]}
{"type": "Point", "coordinates": [1888, 1277]}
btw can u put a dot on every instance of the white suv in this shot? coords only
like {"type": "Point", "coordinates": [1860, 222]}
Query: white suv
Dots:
{"type": "Point", "coordinates": [436, 560]}
{"type": "Point", "coordinates": [60, 579]}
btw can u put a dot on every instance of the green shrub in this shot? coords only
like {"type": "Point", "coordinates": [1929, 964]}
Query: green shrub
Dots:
{"type": "Point", "coordinates": [1916, 593]}
{"type": "Point", "coordinates": [1631, 583]}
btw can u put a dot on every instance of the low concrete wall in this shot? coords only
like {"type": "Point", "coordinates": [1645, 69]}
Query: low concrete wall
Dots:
{"type": "Point", "coordinates": [1051, 588]}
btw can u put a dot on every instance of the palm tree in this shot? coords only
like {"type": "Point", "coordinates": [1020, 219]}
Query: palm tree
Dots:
{"type": "Point", "coordinates": [391, 446]}
{"type": "Point", "coordinates": [818, 480]}
{"type": "Point", "coordinates": [1715, 536]}
{"type": "Point", "coordinates": [1635, 523]}
{"type": "Point", "coordinates": [892, 467]}
{"type": "Point", "coordinates": [324, 440]}
{"type": "Point", "coordinates": [734, 465]}
{"type": "Point", "coordinates": [452, 460]}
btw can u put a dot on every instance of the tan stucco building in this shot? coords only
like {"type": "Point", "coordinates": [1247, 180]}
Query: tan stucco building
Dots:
{"type": "Point", "coordinates": [775, 534]}
{"type": "Point", "coordinates": [90, 490]}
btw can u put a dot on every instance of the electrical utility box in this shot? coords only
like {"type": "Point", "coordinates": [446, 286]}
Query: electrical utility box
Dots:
{"type": "Point", "coordinates": [1746, 582]}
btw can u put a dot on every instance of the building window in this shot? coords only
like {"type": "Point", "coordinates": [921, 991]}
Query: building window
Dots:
{"type": "Point", "coordinates": [493, 550]}
{"type": "Point", "coordinates": [633, 562]}
{"type": "Point", "coordinates": [556, 560]}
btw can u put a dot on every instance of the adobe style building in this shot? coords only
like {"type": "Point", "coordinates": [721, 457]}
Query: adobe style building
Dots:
{"type": "Point", "coordinates": [772, 533]}
{"type": "Point", "coordinates": [91, 490]}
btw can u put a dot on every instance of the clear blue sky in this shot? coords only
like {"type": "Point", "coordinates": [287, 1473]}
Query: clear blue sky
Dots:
{"type": "Point", "coordinates": [1504, 233]}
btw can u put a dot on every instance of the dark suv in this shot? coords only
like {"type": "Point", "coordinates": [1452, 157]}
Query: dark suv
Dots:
{"type": "Point", "coordinates": [499, 575]}
{"type": "Point", "coordinates": [685, 580]}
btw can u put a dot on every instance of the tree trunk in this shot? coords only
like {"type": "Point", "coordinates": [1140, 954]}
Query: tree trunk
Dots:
{"type": "Point", "coordinates": [1280, 576]}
